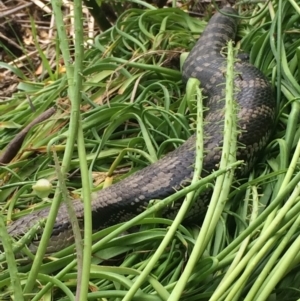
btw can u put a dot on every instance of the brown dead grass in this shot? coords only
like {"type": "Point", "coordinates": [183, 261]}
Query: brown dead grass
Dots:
{"type": "Point", "coordinates": [18, 42]}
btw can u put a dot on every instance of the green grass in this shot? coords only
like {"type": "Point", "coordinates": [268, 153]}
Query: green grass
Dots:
{"type": "Point", "coordinates": [124, 106]}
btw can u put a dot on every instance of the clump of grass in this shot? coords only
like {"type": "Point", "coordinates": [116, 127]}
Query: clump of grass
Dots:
{"type": "Point", "coordinates": [134, 104]}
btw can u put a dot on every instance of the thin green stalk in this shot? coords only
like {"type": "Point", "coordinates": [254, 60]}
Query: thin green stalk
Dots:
{"type": "Point", "coordinates": [263, 280]}
{"type": "Point", "coordinates": [292, 125]}
{"type": "Point", "coordinates": [87, 197]}
{"type": "Point", "coordinates": [288, 176]}
{"type": "Point", "coordinates": [277, 51]}
{"type": "Point", "coordinates": [72, 214]}
{"type": "Point", "coordinates": [229, 146]}
{"type": "Point", "coordinates": [16, 196]}
{"type": "Point", "coordinates": [122, 154]}
{"type": "Point", "coordinates": [145, 4]}
{"type": "Point", "coordinates": [192, 87]}
{"type": "Point", "coordinates": [11, 262]}
{"type": "Point", "coordinates": [245, 243]}
{"type": "Point", "coordinates": [261, 219]}
{"type": "Point", "coordinates": [174, 74]}
{"type": "Point", "coordinates": [295, 6]}
{"type": "Point", "coordinates": [281, 268]}
{"type": "Point", "coordinates": [228, 157]}
{"type": "Point", "coordinates": [235, 290]}
{"type": "Point", "coordinates": [58, 283]}
{"type": "Point", "coordinates": [260, 243]}
{"type": "Point", "coordinates": [84, 274]}
{"type": "Point", "coordinates": [74, 84]}
{"type": "Point", "coordinates": [278, 55]}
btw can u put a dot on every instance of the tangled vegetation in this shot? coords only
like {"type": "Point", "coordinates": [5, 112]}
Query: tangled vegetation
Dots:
{"type": "Point", "coordinates": [122, 105]}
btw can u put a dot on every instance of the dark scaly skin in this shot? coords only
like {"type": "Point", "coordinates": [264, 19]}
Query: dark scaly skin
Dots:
{"type": "Point", "coordinates": [130, 196]}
